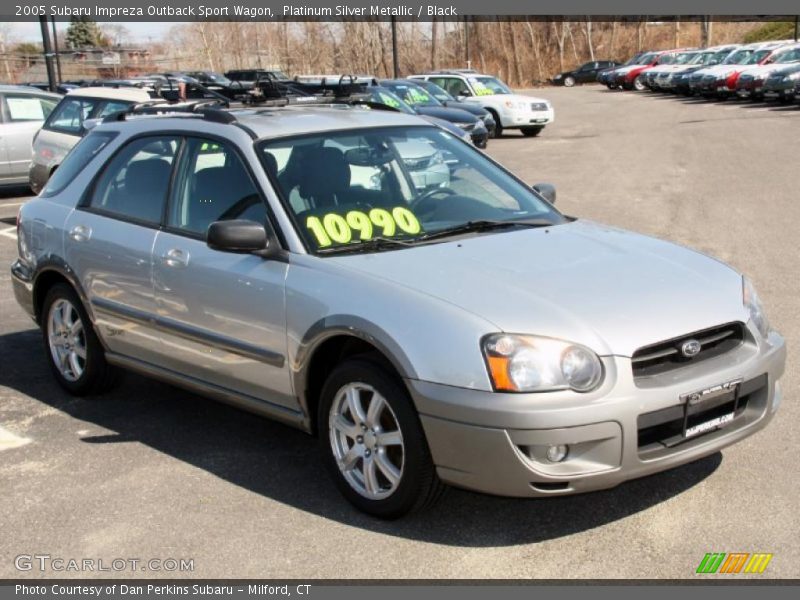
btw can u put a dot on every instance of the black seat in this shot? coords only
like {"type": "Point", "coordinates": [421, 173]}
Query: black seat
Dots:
{"type": "Point", "coordinates": [327, 182]}
{"type": "Point", "coordinates": [216, 190]}
{"type": "Point", "coordinates": [146, 185]}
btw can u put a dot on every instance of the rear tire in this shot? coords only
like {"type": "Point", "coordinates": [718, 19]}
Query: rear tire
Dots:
{"type": "Point", "coordinates": [531, 131]}
{"type": "Point", "coordinates": [373, 443]}
{"type": "Point", "coordinates": [75, 354]}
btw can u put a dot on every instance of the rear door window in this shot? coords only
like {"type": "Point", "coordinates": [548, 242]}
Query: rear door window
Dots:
{"type": "Point", "coordinates": [20, 108]}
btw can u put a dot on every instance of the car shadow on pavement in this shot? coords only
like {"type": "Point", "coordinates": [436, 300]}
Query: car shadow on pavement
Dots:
{"type": "Point", "coordinates": [284, 464]}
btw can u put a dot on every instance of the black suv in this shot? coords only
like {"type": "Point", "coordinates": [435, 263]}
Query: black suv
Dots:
{"type": "Point", "coordinates": [586, 73]}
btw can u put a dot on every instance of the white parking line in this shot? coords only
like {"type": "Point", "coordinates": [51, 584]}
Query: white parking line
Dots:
{"type": "Point", "coordinates": [11, 233]}
{"type": "Point", "coordinates": [10, 440]}
{"type": "Point", "coordinates": [2, 204]}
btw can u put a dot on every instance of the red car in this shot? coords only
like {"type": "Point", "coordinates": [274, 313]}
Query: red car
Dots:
{"type": "Point", "coordinates": [629, 78]}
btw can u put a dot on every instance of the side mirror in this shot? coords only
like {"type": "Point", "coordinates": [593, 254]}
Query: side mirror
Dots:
{"type": "Point", "coordinates": [237, 235]}
{"type": "Point", "coordinates": [464, 94]}
{"type": "Point", "coordinates": [546, 191]}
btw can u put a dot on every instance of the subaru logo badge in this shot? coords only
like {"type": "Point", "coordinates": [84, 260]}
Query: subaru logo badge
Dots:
{"type": "Point", "coordinates": [690, 348]}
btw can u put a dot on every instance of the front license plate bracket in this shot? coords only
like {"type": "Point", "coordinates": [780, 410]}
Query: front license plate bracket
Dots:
{"type": "Point", "coordinates": [704, 401]}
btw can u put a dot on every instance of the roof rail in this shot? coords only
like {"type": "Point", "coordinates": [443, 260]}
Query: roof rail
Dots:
{"type": "Point", "coordinates": [205, 108]}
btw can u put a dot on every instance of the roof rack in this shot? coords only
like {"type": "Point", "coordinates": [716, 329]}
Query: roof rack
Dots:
{"type": "Point", "coordinates": [208, 109]}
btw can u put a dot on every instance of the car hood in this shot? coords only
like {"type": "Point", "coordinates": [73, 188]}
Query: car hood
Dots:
{"type": "Point", "coordinates": [472, 109]}
{"type": "Point", "coordinates": [787, 69]}
{"type": "Point", "coordinates": [454, 115]}
{"type": "Point", "coordinates": [628, 69]}
{"type": "Point", "coordinates": [611, 290]}
{"type": "Point", "coordinates": [763, 70]}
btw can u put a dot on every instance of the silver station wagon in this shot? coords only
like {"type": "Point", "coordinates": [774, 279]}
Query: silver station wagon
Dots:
{"type": "Point", "coordinates": [288, 261]}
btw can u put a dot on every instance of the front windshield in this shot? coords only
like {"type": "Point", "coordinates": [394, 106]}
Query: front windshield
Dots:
{"type": "Point", "coordinates": [646, 59]}
{"type": "Point", "coordinates": [439, 93]}
{"type": "Point", "coordinates": [220, 79]}
{"type": "Point", "coordinates": [401, 184]}
{"type": "Point", "coordinates": [685, 58]}
{"type": "Point", "coordinates": [739, 57]}
{"type": "Point", "coordinates": [412, 94]}
{"type": "Point", "coordinates": [789, 56]}
{"type": "Point", "coordinates": [485, 86]}
{"type": "Point", "coordinates": [382, 95]}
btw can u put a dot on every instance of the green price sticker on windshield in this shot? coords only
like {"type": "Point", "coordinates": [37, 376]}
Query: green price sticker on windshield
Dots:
{"type": "Point", "coordinates": [334, 228]}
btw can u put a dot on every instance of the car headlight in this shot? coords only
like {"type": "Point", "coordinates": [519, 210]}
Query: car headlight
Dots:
{"type": "Point", "coordinates": [516, 105]}
{"type": "Point", "coordinates": [523, 363]}
{"type": "Point", "coordinates": [792, 76]}
{"type": "Point", "coordinates": [753, 305]}
{"type": "Point", "coordinates": [557, 77]}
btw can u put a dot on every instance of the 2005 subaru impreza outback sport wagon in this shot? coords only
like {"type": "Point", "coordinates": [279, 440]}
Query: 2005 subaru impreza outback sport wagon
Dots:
{"type": "Point", "coordinates": [464, 333]}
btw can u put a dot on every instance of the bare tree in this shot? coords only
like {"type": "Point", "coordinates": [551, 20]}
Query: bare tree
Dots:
{"type": "Point", "coordinates": [587, 29]}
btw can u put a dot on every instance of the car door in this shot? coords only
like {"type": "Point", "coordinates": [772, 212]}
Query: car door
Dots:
{"type": "Point", "coordinates": [221, 314]}
{"type": "Point", "coordinates": [587, 72]}
{"type": "Point", "coordinates": [23, 115]}
{"type": "Point", "coordinates": [109, 243]}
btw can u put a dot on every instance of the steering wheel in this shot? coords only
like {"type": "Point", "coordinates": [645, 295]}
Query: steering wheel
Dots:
{"type": "Point", "coordinates": [418, 204]}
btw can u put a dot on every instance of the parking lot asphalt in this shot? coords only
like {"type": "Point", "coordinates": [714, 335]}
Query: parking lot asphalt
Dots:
{"type": "Point", "coordinates": [149, 471]}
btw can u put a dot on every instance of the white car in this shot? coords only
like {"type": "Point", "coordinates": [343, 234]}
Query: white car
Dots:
{"type": "Point", "coordinates": [65, 125]}
{"type": "Point", "coordinates": [510, 110]}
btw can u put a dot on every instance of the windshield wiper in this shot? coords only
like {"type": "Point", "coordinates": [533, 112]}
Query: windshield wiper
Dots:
{"type": "Point", "coordinates": [482, 225]}
{"type": "Point", "coordinates": [376, 243]}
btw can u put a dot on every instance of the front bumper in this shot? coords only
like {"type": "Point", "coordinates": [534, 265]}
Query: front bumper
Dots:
{"type": "Point", "coordinates": [496, 443]}
{"type": "Point", "coordinates": [515, 118]}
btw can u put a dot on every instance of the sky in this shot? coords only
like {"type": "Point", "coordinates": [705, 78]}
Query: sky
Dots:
{"type": "Point", "coordinates": [140, 31]}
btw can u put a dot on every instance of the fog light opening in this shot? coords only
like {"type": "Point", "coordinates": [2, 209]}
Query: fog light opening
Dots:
{"type": "Point", "coordinates": [557, 453]}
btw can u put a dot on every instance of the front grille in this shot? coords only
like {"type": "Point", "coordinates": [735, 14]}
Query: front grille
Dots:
{"type": "Point", "coordinates": [538, 106]}
{"type": "Point", "coordinates": [667, 356]}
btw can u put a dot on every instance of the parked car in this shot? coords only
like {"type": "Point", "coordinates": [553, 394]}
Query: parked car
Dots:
{"type": "Point", "coordinates": [425, 104]}
{"type": "Point", "coordinates": [586, 73]}
{"type": "Point", "coordinates": [626, 77]}
{"type": "Point", "coordinates": [751, 81]}
{"type": "Point", "coordinates": [780, 85]}
{"type": "Point", "coordinates": [448, 100]}
{"type": "Point", "coordinates": [607, 76]}
{"type": "Point", "coordinates": [427, 337]}
{"type": "Point", "coordinates": [221, 84]}
{"type": "Point", "coordinates": [23, 110]}
{"type": "Point", "coordinates": [670, 77]}
{"type": "Point", "coordinates": [66, 125]}
{"type": "Point", "coordinates": [510, 111]}
{"type": "Point", "coordinates": [720, 80]}
{"type": "Point", "coordinates": [634, 77]}
{"type": "Point", "coordinates": [251, 76]}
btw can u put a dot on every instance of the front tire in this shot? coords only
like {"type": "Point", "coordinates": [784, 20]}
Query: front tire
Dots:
{"type": "Point", "coordinates": [569, 81]}
{"type": "Point", "coordinates": [531, 131]}
{"type": "Point", "coordinates": [498, 126]}
{"type": "Point", "coordinates": [373, 442]}
{"type": "Point", "coordinates": [638, 84]}
{"type": "Point", "coordinates": [76, 356]}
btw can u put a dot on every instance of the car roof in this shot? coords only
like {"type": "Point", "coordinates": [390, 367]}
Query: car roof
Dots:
{"type": "Point", "coordinates": [27, 89]}
{"type": "Point", "coordinates": [276, 122]}
{"type": "Point", "coordinates": [108, 93]}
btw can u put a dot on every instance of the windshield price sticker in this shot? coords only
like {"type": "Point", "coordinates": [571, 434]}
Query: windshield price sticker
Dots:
{"type": "Point", "coordinates": [336, 228]}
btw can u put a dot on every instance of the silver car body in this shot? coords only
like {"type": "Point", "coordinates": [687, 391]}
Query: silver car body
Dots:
{"type": "Point", "coordinates": [246, 330]}
{"type": "Point", "coordinates": [53, 141]}
{"type": "Point", "coordinates": [24, 109]}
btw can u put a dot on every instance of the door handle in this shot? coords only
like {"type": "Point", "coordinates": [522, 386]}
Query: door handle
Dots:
{"type": "Point", "coordinates": [175, 258]}
{"type": "Point", "coordinates": [80, 233]}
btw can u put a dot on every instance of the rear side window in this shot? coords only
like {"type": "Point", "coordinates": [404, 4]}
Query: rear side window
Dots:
{"type": "Point", "coordinates": [27, 108]}
{"type": "Point", "coordinates": [109, 107]}
{"type": "Point", "coordinates": [80, 156]}
{"type": "Point", "coordinates": [135, 183]}
{"type": "Point", "coordinates": [69, 115]}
